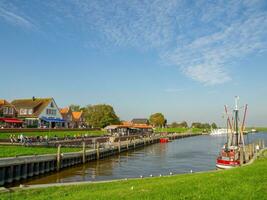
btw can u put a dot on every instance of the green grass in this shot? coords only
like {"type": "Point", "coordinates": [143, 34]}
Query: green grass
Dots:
{"type": "Point", "coordinates": [11, 151]}
{"type": "Point", "coordinates": [53, 133]}
{"type": "Point", "coordinates": [179, 130]}
{"type": "Point", "coordinates": [248, 182]}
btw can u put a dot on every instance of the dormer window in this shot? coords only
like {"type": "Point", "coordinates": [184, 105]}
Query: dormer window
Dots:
{"type": "Point", "coordinates": [29, 111]}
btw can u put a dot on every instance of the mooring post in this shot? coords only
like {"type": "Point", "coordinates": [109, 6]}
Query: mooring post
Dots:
{"type": "Point", "coordinates": [84, 152]}
{"type": "Point", "coordinates": [127, 144]}
{"type": "Point", "coordinates": [58, 157]}
{"type": "Point", "coordinates": [144, 140]}
{"type": "Point", "coordinates": [119, 145]}
{"type": "Point", "coordinates": [134, 142]}
{"type": "Point", "coordinates": [97, 151]}
{"type": "Point", "coordinates": [241, 156]}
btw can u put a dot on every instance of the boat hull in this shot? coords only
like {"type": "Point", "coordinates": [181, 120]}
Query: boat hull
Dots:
{"type": "Point", "coordinates": [223, 164]}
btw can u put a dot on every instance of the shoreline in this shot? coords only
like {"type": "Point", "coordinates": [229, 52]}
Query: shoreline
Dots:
{"type": "Point", "coordinates": [39, 186]}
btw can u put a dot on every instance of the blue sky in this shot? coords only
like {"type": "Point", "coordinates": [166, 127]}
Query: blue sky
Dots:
{"type": "Point", "coordinates": [183, 58]}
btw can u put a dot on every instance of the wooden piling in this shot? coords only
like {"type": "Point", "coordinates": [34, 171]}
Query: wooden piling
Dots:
{"type": "Point", "coordinates": [97, 151]}
{"type": "Point", "coordinates": [84, 152]}
{"type": "Point", "coordinates": [127, 144]}
{"type": "Point", "coordinates": [58, 157]}
{"type": "Point", "coordinates": [134, 142]}
{"type": "Point", "coordinates": [241, 156]}
{"type": "Point", "coordinates": [119, 145]}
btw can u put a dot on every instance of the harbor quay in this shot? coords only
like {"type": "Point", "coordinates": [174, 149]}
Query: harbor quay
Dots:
{"type": "Point", "coordinates": [14, 169]}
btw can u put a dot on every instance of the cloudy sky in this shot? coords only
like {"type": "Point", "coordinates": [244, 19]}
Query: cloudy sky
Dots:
{"type": "Point", "coordinates": [183, 58]}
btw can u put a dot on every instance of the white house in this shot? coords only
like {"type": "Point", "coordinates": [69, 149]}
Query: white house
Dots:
{"type": "Point", "coordinates": [39, 112]}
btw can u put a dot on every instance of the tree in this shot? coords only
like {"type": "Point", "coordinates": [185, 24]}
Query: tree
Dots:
{"type": "Point", "coordinates": [183, 124]}
{"type": "Point", "coordinates": [214, 126]}
{"type": "Point", "coordinates": [75, 107]}
{"type": "Point", "coordinates": [157, 120]}
{"type": "Point", "coordinates": [101, 115]}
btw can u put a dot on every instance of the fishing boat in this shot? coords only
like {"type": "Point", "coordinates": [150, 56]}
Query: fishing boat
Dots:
{"type": "Point", "coordinates": [231, 154]}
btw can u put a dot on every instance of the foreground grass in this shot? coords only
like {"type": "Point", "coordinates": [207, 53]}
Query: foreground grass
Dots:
{"type": "Point", "coordinates": [11, 151]}
{"type": "Point", "coordinates": [249, 182]}
{"type": "Point", "coordinates": [60, 134]}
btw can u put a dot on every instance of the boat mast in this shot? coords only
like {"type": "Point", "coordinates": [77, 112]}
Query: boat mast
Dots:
{"type": "Point", "coordinates": [236, 121]}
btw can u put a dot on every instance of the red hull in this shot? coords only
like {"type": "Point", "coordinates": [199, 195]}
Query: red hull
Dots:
{"type": "Point", "coordinates": [163, 140]}
{"type": "Point", "coordinates": [227, 164]}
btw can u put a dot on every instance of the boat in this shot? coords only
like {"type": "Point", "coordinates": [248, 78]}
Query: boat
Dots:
{"type": "Point", "coordinates": [164, 140]}
{"type": "Point", "coordinates": [231, 153]}
{"type": "Point", "coordinates": [219, 131]}
{"type": "Point", "coordinates": [254, 130]}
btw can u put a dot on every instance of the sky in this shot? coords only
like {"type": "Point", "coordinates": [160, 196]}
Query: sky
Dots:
{"type": "Point", "coordinates": [186, 59]}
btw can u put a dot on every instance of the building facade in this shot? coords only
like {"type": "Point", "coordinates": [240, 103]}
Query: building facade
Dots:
{"type": "Point", "coordinates": [8, 115]}
{"type": "Point", "coordinates": [39, 112]}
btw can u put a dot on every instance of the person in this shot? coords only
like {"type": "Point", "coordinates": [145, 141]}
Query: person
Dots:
{"type": "Point", "coordinates": [257, 148]}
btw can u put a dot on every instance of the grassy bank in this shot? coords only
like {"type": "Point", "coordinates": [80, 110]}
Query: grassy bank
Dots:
{"type": "Point", "coordinates": [179, 130]}
{"type": "Point", "coordinates": [52, 133]}
{"type": "Point", "coordinates": [249, 182]}
{"type": "Point", "coordinates": [10, 151]}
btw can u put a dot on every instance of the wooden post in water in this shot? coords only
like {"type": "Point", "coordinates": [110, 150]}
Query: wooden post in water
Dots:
{"type": "Point", "coordinates": [127, 144]}
{"type": "Point", "coordinates": [84, 152]}
{"type": "Point", "coordinates": [119, 147]}
{"type": "Point", "coordinates": [97, 151]}
{"type": "Point", "coordinates": [58, 157]}
{"type": "Point", "coordinates": [241, 156]}
{"type": "Point", "coordinates": [134, 142]}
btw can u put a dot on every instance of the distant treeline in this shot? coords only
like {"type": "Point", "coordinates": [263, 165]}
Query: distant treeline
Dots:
{"type": "Point", "coordinates": [184, 124]}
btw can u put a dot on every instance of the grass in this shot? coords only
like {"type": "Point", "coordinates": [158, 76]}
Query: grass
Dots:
{"type": "Point", "coordinates": [55, 133]}
{"type": "Point", "coordinates": [179, 130]}
{"type": "Point", "coordinates": [11, 151]}
{"type": "Point", "coordinates": [248, 182]}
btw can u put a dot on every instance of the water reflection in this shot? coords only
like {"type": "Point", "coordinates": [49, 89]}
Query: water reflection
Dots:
{"type": "Point", "coordinates": [180, 156]}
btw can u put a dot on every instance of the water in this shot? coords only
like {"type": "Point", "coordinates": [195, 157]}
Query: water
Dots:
{"type": "Point", "coordinates": [180, 156]}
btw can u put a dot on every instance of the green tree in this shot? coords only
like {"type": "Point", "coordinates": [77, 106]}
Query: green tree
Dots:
{"type": "Point", "coordinates": [214, 126]}
{"type": "Point", "coordinates": [183, 124]}
{"type": "Point", "coordinates": [157, 120]}
{"type": "Point", "coordinates": [101, 115]}
{"type": "Point", "coordinates": [75, 107]}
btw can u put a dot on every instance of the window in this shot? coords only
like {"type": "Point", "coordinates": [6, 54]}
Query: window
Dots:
{"type": "Point", "coordinates": [23, 111]}
{"type": "Point", "coordinates": [51, 112]}
{"type": "Point", "coordinates": [52, 105]}
{"type": "Point", "coordinates": [11, 111]}
{"type": "Point", "coordinates": [29, 111]}
{"type": "Point", "coordinates": [5, 110]}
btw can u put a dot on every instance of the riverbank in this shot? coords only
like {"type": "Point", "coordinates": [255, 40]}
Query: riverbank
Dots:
{"type": "Point", "coordinates": [12, 151]}
{"type": "Point", "coordinates": [248, 182]}
{"type": "Point", "coordinates": [52, 134]}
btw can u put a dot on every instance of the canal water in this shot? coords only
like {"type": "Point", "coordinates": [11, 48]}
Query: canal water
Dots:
{"type": "Point", "coordinates": [179, 156]}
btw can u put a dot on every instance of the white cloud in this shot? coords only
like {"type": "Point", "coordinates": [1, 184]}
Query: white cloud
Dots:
{"type": "Point", "coordinates": [15, 18]}
{"type": "Point", "coordinates": [202, 38]}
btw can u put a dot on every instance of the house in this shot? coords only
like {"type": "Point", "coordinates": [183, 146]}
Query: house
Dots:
{"type": "Point", "coordinates": [67, 116]}
{"type": "Point", "coordinates": [78, 119]}
{"type": "Point", "coordinates": [134, 129]}
{"type": "Point", "coordinates": [8, 115]}
{"type": "Point", "coordinates": [39, 112]}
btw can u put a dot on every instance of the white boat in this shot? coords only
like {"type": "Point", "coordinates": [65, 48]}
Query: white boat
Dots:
{"type": "Point", "coordinates": [219, 131]}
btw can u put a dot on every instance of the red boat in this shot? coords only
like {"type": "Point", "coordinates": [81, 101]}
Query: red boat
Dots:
{"type": "Point", "coordinates": [228, 158]}
{"type": "Point", "coordinates": [164, 140]}
{"type": "Point", "coordinates": [230, 154]}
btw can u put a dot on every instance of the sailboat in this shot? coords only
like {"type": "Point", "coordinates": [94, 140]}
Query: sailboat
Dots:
{"type": "Point", "coordinates": [232, 153]}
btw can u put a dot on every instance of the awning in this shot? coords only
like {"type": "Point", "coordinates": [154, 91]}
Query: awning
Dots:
{"type": "Point", "coordinates": [52, 119]}
{"type": "Point", "coordinates": [11, 120]}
